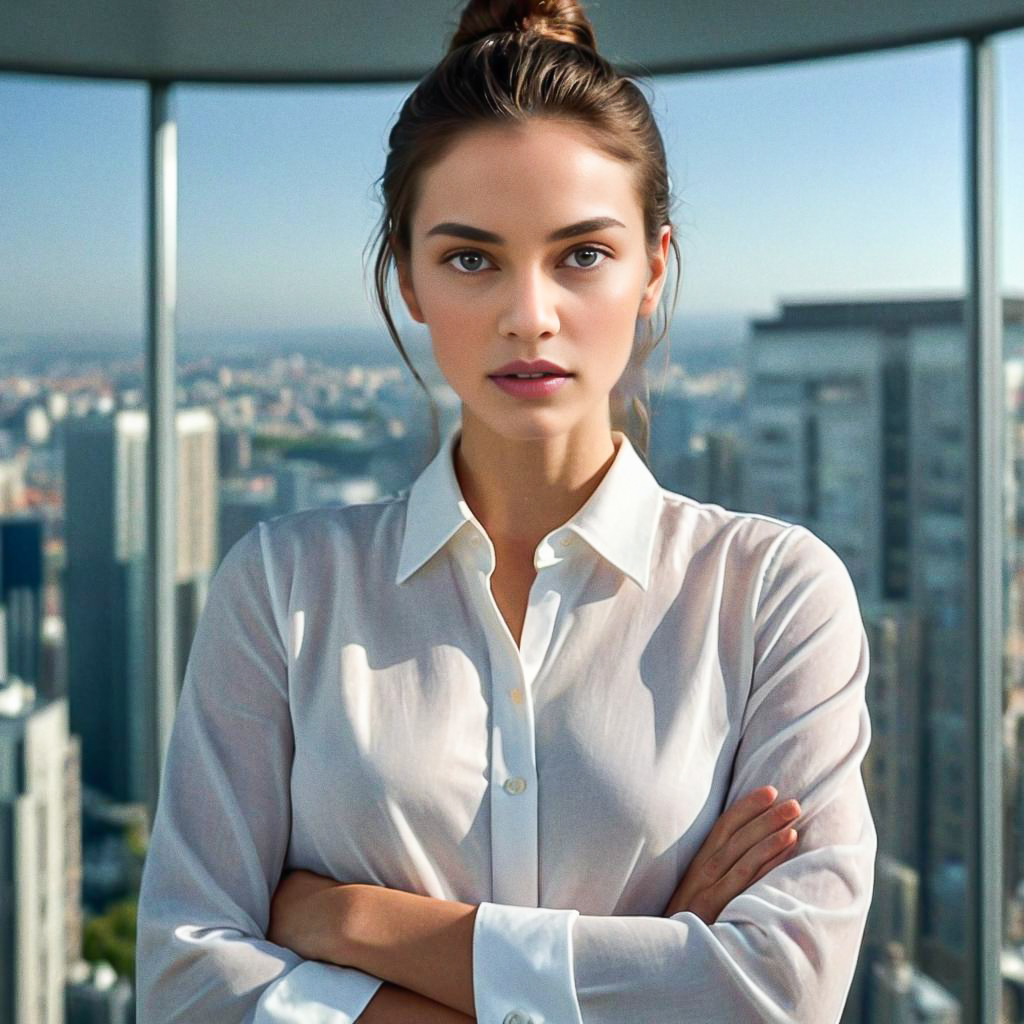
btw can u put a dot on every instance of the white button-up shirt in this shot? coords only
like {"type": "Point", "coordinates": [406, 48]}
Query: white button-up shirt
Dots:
{"type": "Point", "coordinates": [354, 704]}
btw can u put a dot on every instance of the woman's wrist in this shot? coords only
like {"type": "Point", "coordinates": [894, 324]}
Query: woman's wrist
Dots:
{"type": "Point", "coordinates": [418, 943]}
{"type": "Point", "coordinates": [349, 909]}
{"type": "Point", "coordinates": [394, 1005]}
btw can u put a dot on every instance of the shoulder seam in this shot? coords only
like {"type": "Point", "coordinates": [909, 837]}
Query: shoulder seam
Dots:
{"type": "Point", "coordinates": [682, 499]}
{"type": "Point", "coordinates": [384, 499]}
{"type": "Point", "coordinates": [781, 543]}
{"type": "Point", "coordinates": [261, 533]}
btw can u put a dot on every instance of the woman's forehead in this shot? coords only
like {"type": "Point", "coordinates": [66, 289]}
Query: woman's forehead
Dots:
{"type": "Point", "coordinates": [497, 182]}
{"type": "Point", "coordinates": [536, 135]}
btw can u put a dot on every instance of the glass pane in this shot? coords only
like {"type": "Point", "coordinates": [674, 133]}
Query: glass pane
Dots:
{"type": "Point", "coordinates": [1009, 52]}
{"type": "Point", "coordinates": [279, 345]}
{"type": "Point", "coordinates": [818, 377]}
{"type": "Point", "coordinates": [72, 564]}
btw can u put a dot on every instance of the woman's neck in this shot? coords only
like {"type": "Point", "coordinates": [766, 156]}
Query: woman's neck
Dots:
{"type": "Point", "coordinates": [520, 490]}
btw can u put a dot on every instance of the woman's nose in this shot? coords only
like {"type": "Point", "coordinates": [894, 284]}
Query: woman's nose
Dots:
{"type": "Point", "coordinates": [528, 308]}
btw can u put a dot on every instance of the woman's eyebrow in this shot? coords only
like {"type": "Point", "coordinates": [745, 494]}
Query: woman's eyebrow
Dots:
{"type": "Point", "coordinates": [583, 227]}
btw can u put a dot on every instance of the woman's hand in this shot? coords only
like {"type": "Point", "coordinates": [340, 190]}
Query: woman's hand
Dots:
{"type": "Point", "coordinates": [308, 914]}
{"type": "Point", "coordinates": [748, 840]}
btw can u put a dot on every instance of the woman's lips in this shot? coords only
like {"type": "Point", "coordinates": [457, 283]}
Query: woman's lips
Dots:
{"type": "Point", "coordinates": [535, 388]}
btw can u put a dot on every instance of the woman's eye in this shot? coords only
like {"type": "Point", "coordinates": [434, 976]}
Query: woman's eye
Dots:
{"type": "Point", "coordinates": [474, 257]}
{"type": "Point", "coordinates": [590, 249]}
{"type": "Point", "coordinates": [468, 253]}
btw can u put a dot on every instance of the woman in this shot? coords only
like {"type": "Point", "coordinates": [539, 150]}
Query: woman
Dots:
{"type": "Point", "coordinates": [507, 745]}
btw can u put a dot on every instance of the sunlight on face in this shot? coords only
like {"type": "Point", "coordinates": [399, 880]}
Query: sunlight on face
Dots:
{"type": "Point", "coordinates": [516, 292]}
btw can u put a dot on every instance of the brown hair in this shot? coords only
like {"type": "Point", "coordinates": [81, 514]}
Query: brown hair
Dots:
{"type": "Point", "coordinates": [509, 61]}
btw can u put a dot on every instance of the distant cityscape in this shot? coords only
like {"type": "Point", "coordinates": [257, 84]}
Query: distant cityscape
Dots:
{"type": "Point", "coordinates": [847, 416]}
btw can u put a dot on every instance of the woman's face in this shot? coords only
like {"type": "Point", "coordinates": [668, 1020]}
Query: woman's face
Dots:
{"type": "Point", "coordinates": [573, 300]}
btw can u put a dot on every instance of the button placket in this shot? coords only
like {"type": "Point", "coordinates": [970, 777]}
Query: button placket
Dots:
{"type": "Point", "coordinates": [513, 764]}
{"type": "Point", "coordinates": [513, 772]}
{"type": "Point", "coordinates": [512, 768]}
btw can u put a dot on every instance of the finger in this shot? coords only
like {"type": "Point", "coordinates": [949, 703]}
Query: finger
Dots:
{"type": "Point", "coordinates": [718, 854]}
{"type": "Point", "coordinates": [774, 862]}
{"type": "Point", "coordinates": [768, 853]}
{"type": "Point", "coordinates": [747, 868]}
{"type": "Point", "coordinates": [738, 814]}
{"type": "Point", "coordinates": [711, 902]}
{"type": "Point", "coordinates": [706, 898]}
{"type": "Point", "coordinates": [722, 855]}
{"type": "Point", "coordinates": [775, 817]}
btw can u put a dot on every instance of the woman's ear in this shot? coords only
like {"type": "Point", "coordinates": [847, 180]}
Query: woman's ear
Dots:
{"type": "Point", "coordinates": [658, 266]}
{"type": "Point", "coordinates": [407, 290]}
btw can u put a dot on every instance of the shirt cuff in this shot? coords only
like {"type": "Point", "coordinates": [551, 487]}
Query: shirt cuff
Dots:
{"type": "Point", "coordinates": [317, 993]}
{"type": "Point", "coordinates": [523, 966]}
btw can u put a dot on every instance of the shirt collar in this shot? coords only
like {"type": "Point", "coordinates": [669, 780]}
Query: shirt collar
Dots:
{"type": "Point", "coordinates": [619, 520]}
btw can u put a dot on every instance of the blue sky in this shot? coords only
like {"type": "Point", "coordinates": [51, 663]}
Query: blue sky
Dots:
{"type": "Point", "coordinates": [812, 180]}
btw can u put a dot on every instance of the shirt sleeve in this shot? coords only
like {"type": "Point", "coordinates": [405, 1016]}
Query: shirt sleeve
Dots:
{"type": "Point", "coordinates": [221, 830]}
{"type": "Point", "coordinates": [785, 950]}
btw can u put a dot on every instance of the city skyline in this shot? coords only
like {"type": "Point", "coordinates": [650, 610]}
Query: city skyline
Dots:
{"type": "Point", "coordinates": [811, 180]}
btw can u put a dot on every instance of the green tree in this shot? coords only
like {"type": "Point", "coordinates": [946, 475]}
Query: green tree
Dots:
{"type": "Point", "coordinates": [111, 937]}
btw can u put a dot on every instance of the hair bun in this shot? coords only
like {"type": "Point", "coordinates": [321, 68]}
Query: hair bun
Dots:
{"type": "Point", "coordinates": [562, 20]}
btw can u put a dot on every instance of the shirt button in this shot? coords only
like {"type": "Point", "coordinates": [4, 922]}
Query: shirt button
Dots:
{"type": "Point", "coordinates": [515, 1017]}
{"type": "Point", "coordinates": [515, 785]}
{"type": "Point", "coordinates": [516, 695]}
{"type": "Point", "coordinates": [566, 541]}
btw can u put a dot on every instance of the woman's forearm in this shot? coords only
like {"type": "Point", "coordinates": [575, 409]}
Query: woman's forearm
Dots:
{"type": "Point", "coordinates": [392, 1004]}
{"type": "Point", "coordinates": [419, 943]}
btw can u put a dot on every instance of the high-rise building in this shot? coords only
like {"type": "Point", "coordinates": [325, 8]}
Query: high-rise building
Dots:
{"type": "Point", "coordinates": [240, 510]}
{"type": "Point", "coordinates": [12, 484]}
{"type": "Point", "coordinates": [96, 994]}
{"type": "Point", "coordinates": [234, 451]}
{"type": "Point", "coordinates": [105, 585]}
{"type": "Point", "coordinates": [856, 421]}
{"type": "Point", "coordinates": [21, 593]}
{"type": "Point", "coordinates": [41, 863]}
{"type": "Point", "coordinates": [197, 494]}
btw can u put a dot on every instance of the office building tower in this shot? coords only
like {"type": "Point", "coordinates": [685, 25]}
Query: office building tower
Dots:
{"type": "Point", "coordinates": [21, 593]}
{"type": "Point", "coordinates": [838, 393]}
{"type": "Point", "coordinates": [295, 485]}
{"type": "Point", "coordinates": [12, 484]}
{"type": "Point", "coordinates": [197, 492]}
{"type": "Point", "coordinates": [240, 510]}
{"type": "Point", "coordinates": [105, 594]}
{"type": "Point", "coordinates": [902, 994]}
{"type": "Point", "coordinates": [856, 420]}
{"type": "Point", "coordinates": [234, 451]}
{"type": "Point", "coordinates": [96, 994]}
{"type": "Point", "coordinates": [669, 452]}
{"type": "Point", "coordinates": [41, 862]}
{"type": "Point", "coordinates": [106, 580]}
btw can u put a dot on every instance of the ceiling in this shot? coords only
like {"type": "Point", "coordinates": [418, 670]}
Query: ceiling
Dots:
{"type": "Point", "coordinates": [338, 41]}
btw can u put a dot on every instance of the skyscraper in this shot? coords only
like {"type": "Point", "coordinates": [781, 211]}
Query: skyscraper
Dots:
{"type": "Point", "coordinates": [21, 593]}
{"type": "Point", "coordinates": [105, 587]}
{"type": "Point", "coordinates": [857, 415]}
{"type": "Point", "coordinates": [41, 869]}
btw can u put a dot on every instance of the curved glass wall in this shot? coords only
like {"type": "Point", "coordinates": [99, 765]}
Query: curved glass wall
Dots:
{"type": "Point", "coordinates": [72, 541]}
{"type": "Point", "coordinates": [815, 372]}
{"type": "Point", "coordinates": [824, 203]}
{"type": "Point", "coordinates": [1009, 51]}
